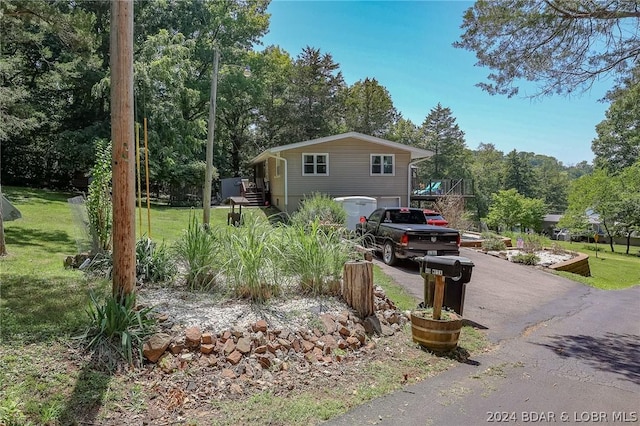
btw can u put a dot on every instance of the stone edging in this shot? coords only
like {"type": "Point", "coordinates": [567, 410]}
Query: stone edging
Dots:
{"type": "Point", "coordinates": [577, 265]}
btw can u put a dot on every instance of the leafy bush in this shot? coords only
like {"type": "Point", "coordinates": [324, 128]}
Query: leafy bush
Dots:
{"type": "Point", "coordinates": [101, 265]}
{"type": "Point", "coordinates": [320, 207]}
{"type": "Point", "coordinates": [99, 200]}
{"type": "Point", "coordinates": [197, 249]}
{"type": "Point", "coordinates": [252, 258]}
{"type": "Point", "coordinates": [117, 330]}
{"type": "Point", "coordinates": [493, 243]}
{"type": "Point", "coordinates": [533, 242]}
{"type": "Point", "coordinates": [526, 258]}
{"type": "Point", "coordinates": [153, 262]}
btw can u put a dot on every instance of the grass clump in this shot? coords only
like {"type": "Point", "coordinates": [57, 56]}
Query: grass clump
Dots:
{"type": "Point", "coordinates": [153, 262]}
{"type": "Point", "coordinates": [251, 259]}
{"type": "Point", "coordinates": [197, 249]}
{"type": "Point", "coordinates": [116, 330]}
{"type": "Point", "coordinates": [316, 254]}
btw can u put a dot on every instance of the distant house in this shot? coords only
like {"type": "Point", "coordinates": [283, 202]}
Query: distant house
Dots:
{"type": "Point", "coordinates": [340, 165]}
{"type": "Point", "coordinates": [550, 222]}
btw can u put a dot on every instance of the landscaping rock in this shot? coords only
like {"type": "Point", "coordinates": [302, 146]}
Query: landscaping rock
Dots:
{"type": "Point", "coordinates": [156, 346]}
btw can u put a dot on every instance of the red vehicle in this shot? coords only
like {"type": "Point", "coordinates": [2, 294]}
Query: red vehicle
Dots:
{"type": "Point", "coordinates": [435, 218]}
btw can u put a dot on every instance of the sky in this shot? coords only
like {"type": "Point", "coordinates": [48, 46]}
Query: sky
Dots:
{"type": "Point", "coordinates": [407, 47]}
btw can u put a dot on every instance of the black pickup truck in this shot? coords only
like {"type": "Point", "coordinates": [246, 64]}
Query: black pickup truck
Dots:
{"type": "Point", "coordinates": [403, 233]}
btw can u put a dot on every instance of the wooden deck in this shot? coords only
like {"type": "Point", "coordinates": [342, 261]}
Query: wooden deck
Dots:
{"type": "Point", "coordinates": [431, 190]}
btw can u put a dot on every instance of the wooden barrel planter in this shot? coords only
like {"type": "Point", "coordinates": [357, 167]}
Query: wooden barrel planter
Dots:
{"type": "Point", "coordinates": [437, 335]}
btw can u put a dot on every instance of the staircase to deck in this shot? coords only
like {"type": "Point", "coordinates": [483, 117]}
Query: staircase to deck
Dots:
{"type": "Point", "coordinates": [255, 197]}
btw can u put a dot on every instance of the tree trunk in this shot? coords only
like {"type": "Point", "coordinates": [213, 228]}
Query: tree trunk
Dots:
{"type": "Point", "coordinates": [357, 287]}
{"type": "Point", "coordinates": [3, 247]}
{"type": "Point", "coordinates": [123, 139]}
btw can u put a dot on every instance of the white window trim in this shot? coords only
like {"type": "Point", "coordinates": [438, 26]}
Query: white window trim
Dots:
{"type": "Point", "coordinates": [393, 159]}
{"type": "Point", "coordinates": [315, 154]}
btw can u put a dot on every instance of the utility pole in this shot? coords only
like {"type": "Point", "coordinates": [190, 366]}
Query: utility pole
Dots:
{"type": "Point", "coordinates": [208, 176]}
{"type": "Point", "coordinates": [123, 141]}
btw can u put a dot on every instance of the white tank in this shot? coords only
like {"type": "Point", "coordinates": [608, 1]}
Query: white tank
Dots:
{"type": "Point", "coordinates": [356, 207]}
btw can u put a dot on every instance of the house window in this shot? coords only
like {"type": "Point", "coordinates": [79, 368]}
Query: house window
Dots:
{"type": "Point", "coordinates": [382, 164]}
{"type": "Point", "coordinates": [315, 164]}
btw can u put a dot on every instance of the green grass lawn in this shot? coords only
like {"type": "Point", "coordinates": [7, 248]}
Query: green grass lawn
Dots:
{"type": "Point", "coordinates": [609, 271]}
{"type": "Point", "coordinates": [43, 305]}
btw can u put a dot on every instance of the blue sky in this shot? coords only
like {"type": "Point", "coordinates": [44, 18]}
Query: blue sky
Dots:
{"type": "Point", "coordinates": [406, 46]}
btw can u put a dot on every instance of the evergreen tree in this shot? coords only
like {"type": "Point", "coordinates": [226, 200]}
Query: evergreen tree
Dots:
{"type": "Point", "coordinates": [316, 90]}
{"type": "Point", "coordinates": [369, 108]}
{"type": "Point", "coordinates": [442, 135]}
{"type": "Point", "coordinates": [519, 175]}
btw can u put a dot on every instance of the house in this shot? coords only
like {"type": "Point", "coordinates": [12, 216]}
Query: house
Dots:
{"type": "Point", "coordinates": [340, 165]}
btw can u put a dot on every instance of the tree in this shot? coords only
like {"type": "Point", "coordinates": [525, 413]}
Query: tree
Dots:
{"type": "Point", "coordinates": [552, 182]}
{"type": "Point", "coordinates": [404, 131]}
{"type": "Point", "coordinates": [238, 96]}
{"type": "Point", "coordinates": [599, 193]}
{"type": "Point", "coordinates": [442, 135]}
{"type": "Point", "coordinates": [533, 213]}
{"type": "Point", "coordinates": [166, 68]}
{"type": "Point", "coordinates": [179, 41]}
{"type": "Point", "coordinates": [565, 46]}
{"type": "Point", "coordinates": [580, 169]}
{"type": "Point", "coordinates": [618, 142]}
{"type": "Point", "coordinates": [509, 209]}
{"type": "Point", "coordinates": [518, 174]}
{"type": "Point", "coordinates": [275, 108]}
{"type": "Point", "coordinates": [629, 208]}
{"type": "Point", "coordinates": [46, 59]}
{"type": "Point", "coordinates": [316, 91]}
{"type": "Point", "coordinates": [369, 108]}
{"type": "Point", "coordinates": [486, 170]}
{"type": "Point", "coordinates": [505, 209]}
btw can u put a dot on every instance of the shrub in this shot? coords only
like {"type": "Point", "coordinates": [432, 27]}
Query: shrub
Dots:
{"type": "Point", "coordinates": [99, 207]}
{"type": "Point", "coordinates": [533, 242]}
{"type": "Point", "coordinates": [197, 249]}
{"type": "Point", "coordinates": [321, 207]}
{"type": "Point", "coordinates": [493, 243]}
{"type": "Point", "coordinates": [117, 330]}
{"type": "Point", "coordinates": [153, 262]}
{"type": "Point", "coordinates": [526, 258]}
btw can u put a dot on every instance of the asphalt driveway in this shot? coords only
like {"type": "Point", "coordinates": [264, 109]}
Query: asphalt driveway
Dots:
{"type": "Point", "coordinates": [564, 353]}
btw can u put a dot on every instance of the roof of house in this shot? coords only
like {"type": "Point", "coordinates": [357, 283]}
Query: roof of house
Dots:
{"type": "Point", "coordinates": [554, 218]}
{"type": "Point", "coordinates": [416, 153]}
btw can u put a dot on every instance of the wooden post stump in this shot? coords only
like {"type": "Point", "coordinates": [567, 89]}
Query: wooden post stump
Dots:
{"type": "Point", "coordinates": [357, 287]}
{"type": "Point", "coordinates": [438, 297]}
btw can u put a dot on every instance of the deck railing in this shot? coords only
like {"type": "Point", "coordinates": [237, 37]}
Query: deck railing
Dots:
{"type": "Point", "coordinates": [434, 188]}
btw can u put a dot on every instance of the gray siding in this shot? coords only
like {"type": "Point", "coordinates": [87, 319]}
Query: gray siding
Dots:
{"type": "Point", "coordinates": [349, 173]}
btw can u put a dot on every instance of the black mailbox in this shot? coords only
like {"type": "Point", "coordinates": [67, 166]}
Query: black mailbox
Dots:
{"type": "Point", "coordinates": [446, 266]}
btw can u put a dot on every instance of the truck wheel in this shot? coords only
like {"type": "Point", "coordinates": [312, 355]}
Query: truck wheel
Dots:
{"type": "Point", "coordinates": [389, 254]}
